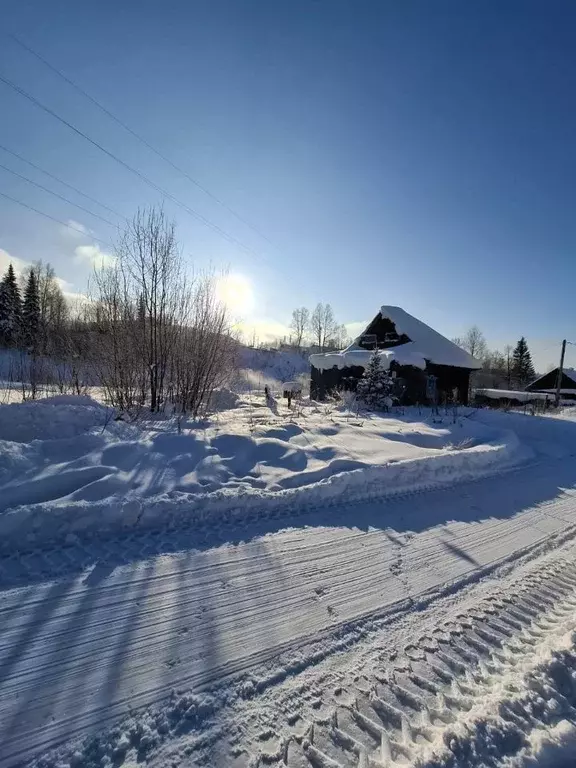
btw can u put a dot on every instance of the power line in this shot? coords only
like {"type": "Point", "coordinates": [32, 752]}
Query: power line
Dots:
{"type": "Point", "coordinates": [135, 171]}
{"type": "Point", "coordinates": [137, 136]}
{"type": "Point", "coordinates": [60, 197]}
{"type": "Point", "coordinates": [64, 183]}
{"type": "Point", "coordinates": [53, 218]}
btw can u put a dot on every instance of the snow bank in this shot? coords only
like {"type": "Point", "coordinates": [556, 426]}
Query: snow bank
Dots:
{"type": "Point", "coordinates": [67, 416]}
{"type": "Point", "coordinates": [223, 399]}
{"type": "Point", "coordinates": [93, 482]}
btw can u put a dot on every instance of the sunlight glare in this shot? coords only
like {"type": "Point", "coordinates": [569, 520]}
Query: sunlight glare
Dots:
{"type": "Point", "coordinates": [236, 292]}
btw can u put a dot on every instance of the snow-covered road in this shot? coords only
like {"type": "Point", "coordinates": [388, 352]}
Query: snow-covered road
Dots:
{"type": "Point", "coordinates": [124, 624]}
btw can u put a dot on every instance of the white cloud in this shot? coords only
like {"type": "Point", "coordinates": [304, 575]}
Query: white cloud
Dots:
{"type": "Point", "coordinates": [75, 230]}
{"type": "Point", "coordinates": [6, 259]}
{"type": "Point", "coordinates": [94, 255]}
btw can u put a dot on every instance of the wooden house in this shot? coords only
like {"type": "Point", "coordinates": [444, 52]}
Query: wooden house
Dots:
{"type": "Point", "coordinates": [549, 382]}
{"type": "Point", "coordinates": [427, 366]}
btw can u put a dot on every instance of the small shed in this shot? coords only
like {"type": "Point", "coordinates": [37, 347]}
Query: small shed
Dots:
{"type": "Point", "coordinates": [428, 365]}
{"type": "Point", "coordinates": [549, 381]}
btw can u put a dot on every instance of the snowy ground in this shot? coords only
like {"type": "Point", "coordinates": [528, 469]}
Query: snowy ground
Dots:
{"type": "Point", "coordinates": [421, 617]}
{"type": "Point", "coordinates": [68, 469]}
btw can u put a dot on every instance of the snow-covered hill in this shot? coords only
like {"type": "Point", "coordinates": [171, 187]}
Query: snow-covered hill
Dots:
{"type": "Point", "coordinates": [269, 367]}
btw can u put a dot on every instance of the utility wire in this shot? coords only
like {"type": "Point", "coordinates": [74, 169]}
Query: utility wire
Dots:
{"type": "Point", "coordinates": [137, 136]}
{"type": "Point", "coordinates": [135, 171]}
{"type": "Point", "coordinates": [53, 218]}
{"type": "Point", "coordinates": [64, 183]}
{"type": "Point", "coordinates": [60, 197]}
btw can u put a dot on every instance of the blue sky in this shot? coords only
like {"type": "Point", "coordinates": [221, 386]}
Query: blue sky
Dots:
{"type": "Point", "coordinates": [411, 153]}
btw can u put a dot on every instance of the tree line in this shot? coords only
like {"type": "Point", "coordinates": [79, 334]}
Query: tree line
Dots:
{"type": "Point", "coordinates": [33, 310]}
{"type": "Point", "coordinates": [151, 333]}
{"type": "Point", "coordinates": [318, 328]}
{"type": "Point", "coordinates": [511, 368]}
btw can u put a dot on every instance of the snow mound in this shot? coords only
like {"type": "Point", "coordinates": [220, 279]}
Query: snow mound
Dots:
{"type": "Point", "coordinates": [63, 473]}
{"type": "Point", "coordinates": [69, 400]}
{"type": "Point", "coordinates": [24, 422]}
{"type": "Point", "coordinates": [223, 399]}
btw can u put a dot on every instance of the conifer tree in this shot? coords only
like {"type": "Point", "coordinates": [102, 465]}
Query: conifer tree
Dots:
{"type": "Point", "coordinates": [10, 309]}
{"type": "Point", "coordinates": [375, 386]}
{"type": "Point", "coordinates": [30, 326]}
{"type": "Point", "coordinates": [522, 368]}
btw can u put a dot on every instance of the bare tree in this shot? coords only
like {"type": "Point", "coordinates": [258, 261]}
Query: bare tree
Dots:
{"type": "Point", "coordinates": [116, 351]}
{"type": "Point", "coordinates": [159, 335]}
{"type": "Point", "coordinates": [322, 324]}
{"type": "Point", "coordinates": [299, 324]}
{"type": "Point", "coordinates": [205, 353]}
{"type": "Point", "coordinates": [339, 338]}
{"type": "Point", "coordinates": [473, 342]}
{"type": "Point", "coordinates": [154, 285]}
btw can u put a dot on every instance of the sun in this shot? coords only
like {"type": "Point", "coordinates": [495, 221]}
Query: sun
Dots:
{"type": "Point", "coordinates": [236, 292]}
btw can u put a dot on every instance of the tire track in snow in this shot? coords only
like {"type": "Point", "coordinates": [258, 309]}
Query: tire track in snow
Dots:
{"type": "Point", "coordinates": [481, 685]}
{"type": "Point", "coordinates": [127, 636]}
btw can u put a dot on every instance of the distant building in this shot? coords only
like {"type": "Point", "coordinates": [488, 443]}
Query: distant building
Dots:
{"type": "Point", "coordinates": [549, 382]}
{"type": "Point", "coordinates": [428, 366]}
{"type": "Point", "coordinates": [499, 398]}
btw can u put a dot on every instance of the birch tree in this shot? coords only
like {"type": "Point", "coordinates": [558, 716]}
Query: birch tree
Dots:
{"type": "Point", "coordinates": [322, 324]}
{"type": "Point", "coordinates": [299, 324]}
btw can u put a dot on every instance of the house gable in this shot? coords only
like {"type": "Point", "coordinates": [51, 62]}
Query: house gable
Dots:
{"type": "Point", "coordinates": [549, 381]}
{"type": "Point", "coordinates": [385, 333]}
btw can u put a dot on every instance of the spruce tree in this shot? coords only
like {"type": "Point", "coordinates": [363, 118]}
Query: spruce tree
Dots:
{"type": "Point", "coordinates": [375, 386]}
{"type": "Point", "coordinates": [30, 334]}
{"type": "Point", "coordinates": [10, 309]}
{"type": "Point", "coordinates": [4, 315]}
{"type": "Point", "coordinates": [522, 368]}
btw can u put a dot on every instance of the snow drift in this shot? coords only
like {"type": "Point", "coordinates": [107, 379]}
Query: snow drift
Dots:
{"type": "Point", "coordinates": [68, 470]}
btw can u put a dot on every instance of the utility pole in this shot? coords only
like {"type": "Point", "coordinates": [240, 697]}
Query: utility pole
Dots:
{"type": "Point", "coordinates": [560, 370]}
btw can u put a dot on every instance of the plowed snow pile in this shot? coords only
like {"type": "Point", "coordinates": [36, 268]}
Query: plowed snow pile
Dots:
{"type": "Point", "coordinates": [68, 469]}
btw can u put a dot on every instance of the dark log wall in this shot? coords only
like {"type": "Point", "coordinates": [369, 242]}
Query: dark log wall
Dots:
{"type": "Point", "coordinates": [448, 378]}
{"type": "Point", "coordinates": [324, 382]}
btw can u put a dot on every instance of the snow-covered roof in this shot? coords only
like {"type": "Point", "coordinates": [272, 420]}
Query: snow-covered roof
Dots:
{"type": "Point", "coordinates": [405, 354]}
{"type": "Point", "coordinates": [425, 344]}
{"type": "Point", "coordinates": [511, 394]}
{"type": "Point", "coordinates": [430, 344]}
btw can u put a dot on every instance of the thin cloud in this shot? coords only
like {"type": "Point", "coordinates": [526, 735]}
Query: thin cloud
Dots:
{"type": "Point", "coordinates": [75, 230]}
{"type": "Point", "coordinates": [93, 255]}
